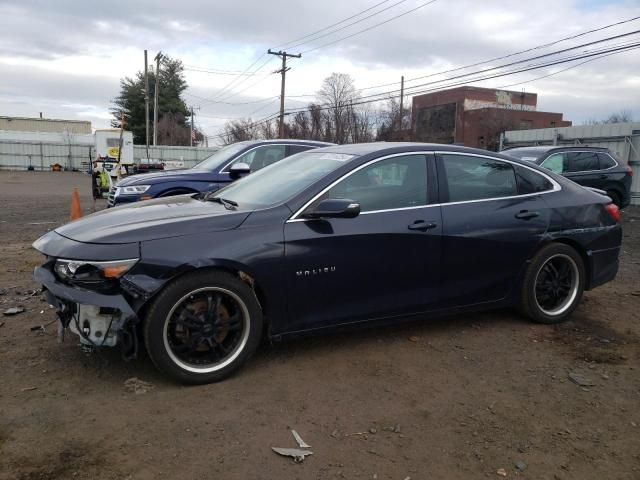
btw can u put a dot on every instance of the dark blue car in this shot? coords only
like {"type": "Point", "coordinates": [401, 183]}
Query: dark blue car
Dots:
{"type": "Point", "coordinates": [221, 168]}
{"type": "Point", "coordinates": [344, 235]}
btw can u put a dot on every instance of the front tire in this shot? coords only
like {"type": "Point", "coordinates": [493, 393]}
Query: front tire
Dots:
{"type": "Point", "coordinates": [553, 284]}
{"type": "Point", "coordinates": [203, 327]}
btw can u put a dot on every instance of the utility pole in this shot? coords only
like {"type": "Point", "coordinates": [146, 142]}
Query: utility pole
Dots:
{"type": "Point", "coordinates": [283, 72]}
{"type": "Point", "coordinates": [192, 130]}
{"type": "Point", "coordinates": [146, 100]}
{"type": "Point", "coordinates": [401, 105]}
{"type": "Point", "coordinates": [156, 92]}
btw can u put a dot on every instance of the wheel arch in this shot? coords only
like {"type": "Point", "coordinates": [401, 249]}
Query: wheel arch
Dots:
{"type": "Point", "coordinates": [586, 260]}
{"type": "Point", "coordinates": [244, 273]}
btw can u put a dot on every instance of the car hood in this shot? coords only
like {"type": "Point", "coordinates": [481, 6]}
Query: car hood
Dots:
{"type": "Point", "coordinates": [152, 220]}
{"type": "Point", "coordinates": [163, 176]}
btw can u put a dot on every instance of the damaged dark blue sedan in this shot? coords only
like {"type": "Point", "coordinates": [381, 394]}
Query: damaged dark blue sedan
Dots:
{"type": "Point", "coordinates": [330, 237]}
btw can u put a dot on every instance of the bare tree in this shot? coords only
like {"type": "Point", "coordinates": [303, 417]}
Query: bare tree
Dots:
{"type": "Point", "coordinates": [338, 93]}
{"type": "Point", "coordinates": [392, 122]}
{"type": "Point", "coordinates": [621, 116]}
{"type": "Point", "coordinates": [239, 131]}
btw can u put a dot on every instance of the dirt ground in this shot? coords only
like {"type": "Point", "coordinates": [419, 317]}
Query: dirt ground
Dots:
{"type": "Point", "coordinates": [455, 398]}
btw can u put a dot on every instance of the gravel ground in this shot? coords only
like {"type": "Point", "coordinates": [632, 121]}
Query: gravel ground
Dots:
{"type": "Point", "coordinates": [457, 398]}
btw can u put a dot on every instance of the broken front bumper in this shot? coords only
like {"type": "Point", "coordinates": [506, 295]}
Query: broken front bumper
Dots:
{"type": "Point", "coordinates": [98, 319]}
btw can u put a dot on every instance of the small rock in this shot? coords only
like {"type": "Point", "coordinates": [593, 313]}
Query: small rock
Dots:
{"type": "Point", "coordinates": [521, 466]}
{"type": "Point", "coordinates": [396, 429]}
{"type": "Point", "coordinates": [580, 380]}
{"type": "Point", "coordinates": [634, 424]}
{"type": "Point", "coordinates": [137, 386]}
{"type": "Point", "coordinates": [335, 434]}
{"type": "Point", "coordinates": [373, 430]}
{"type": "Point", "coordinates": [502, 472]}
{"type": "Point", "coordinates": [13, 311]}
{"type": "Point", "coordinates": [413, 338]}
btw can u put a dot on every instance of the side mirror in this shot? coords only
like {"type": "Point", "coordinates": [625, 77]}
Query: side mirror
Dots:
{"type": "Point", "coordinates": [238, 170]}
{"type": "Point", "coordinates": [335, 208]}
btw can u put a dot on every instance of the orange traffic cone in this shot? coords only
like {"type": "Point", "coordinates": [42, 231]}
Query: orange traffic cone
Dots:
{"type": "Point", "coordinates": [76, 209]}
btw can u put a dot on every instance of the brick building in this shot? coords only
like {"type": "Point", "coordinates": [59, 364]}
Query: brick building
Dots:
{"type": "Point", "coordinates": [475, 116]}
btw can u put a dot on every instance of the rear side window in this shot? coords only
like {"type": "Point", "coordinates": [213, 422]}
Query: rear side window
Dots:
{"type": "Point", "coordinates": [476, 178]}
{"type": "Point", "coordinates": [582, 161]}
{"type": "Point", "coordinates": [606, 161]}
{"type": "Point", "coordinates": [297, 149]}
{"type": "Point", "coordinates": [531, 182]}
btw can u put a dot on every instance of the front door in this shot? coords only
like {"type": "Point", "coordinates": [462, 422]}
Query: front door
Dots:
{"type": "Point", "coordinates": [384, 262]}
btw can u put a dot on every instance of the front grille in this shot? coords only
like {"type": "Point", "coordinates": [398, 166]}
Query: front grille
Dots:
{"type": "Point", "coordinates": [111, 200]}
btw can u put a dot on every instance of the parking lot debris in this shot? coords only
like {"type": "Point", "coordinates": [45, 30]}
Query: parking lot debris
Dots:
{"type": "Point", "coordinates": [373, 430]}
{"type": "Point", "coordinates": [502, 472]}
{"type": "Point", "coordinates": [28, 389]}
{"type": "Point", "coordinates": [13, 311]}
{"type": "Point", "coordinates": [295, 453]}
{"type": "Point", "coordinates": [520, 465]}
{"type": "Point", "coordinates": [414, 338]}
{"type": "Point", "coordinates": [42, 328]}
{"type": "Point", "coordinates": [580, 380]}
{"type": "Point", "coordinates": [301, 442]}
{"type": "Point", "coordinates": [335, 433]}
{"type": "Point", "coordinates": [3, 291]}
{"type": "Point", "coordinates": [1, 324]}
{"type": "Point", "coordinates": [137, 386]}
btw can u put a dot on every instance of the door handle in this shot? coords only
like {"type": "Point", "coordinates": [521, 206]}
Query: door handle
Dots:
{"type": "Point", "coordinates": [526, 215]}
{"type": "Point", "coordinates": [422, 226]}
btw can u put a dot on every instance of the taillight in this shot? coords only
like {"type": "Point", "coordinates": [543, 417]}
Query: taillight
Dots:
{"type": "Point", "coordinates": [613, 211]}
{"type": "Point", "coordinates": [629, 170]}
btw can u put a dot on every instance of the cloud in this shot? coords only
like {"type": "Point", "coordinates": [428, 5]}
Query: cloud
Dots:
{"type": "Point", "coordinates": [68, 56]}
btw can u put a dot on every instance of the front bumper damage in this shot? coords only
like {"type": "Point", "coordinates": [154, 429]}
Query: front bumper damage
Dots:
{"type": "Point", "coordinates": [99, 319]}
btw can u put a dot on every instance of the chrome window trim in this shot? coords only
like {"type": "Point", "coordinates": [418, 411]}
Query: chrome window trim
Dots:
{"type": "Point", "coordinates": [585, 151]}
{"type": "Point", "coordinates": [258, 146]}
{"type": "Point", "coordinates": [556, 186]}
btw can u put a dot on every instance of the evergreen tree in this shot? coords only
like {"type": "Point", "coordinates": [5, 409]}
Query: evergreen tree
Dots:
{"type": "Point", "coordinates": [172, 110]}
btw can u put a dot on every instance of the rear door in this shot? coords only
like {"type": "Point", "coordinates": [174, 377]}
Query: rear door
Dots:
{"type": "Point", "coordinates": [493, 219]}
{"type": "Point", "coordinates": [384, 262]}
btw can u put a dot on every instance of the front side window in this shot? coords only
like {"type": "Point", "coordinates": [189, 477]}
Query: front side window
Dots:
{"type": "Point", "coordinates": [477, 178]}
{"type": "Point", "coordinates": [261, 157]}
{"type": "Point", "coordinates": [397, 182]}
{"type": "Point", "coordinates": [582, 161]}
{"type": "Point", "coordinates": [556, 163]}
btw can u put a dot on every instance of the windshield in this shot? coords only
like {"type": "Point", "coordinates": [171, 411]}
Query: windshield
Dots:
{"type": "Point", "coordinates": [526, 154]}
{"type": "Point", "coordinates": [220, 157]}
{"type": "Point", "coordinates": [280, 181]}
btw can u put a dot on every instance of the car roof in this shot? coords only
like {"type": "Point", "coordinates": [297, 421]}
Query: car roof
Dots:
{"type": "Point", "coordinates": [549, 148]}
{"type": "Point", "coordinates": [286, 140]}
{"type": "Point", "coordinates": [360, 149]}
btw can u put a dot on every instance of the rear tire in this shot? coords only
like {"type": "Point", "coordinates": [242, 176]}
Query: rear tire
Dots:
{"type": "Point", "coordinates": [553, 284]}
{"type": "Point", "coordinates": [203, 327]}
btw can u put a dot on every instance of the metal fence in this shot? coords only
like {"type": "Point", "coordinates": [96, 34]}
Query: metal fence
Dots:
{"type": "Point", "coordinates": [189, 155]}
{"type": "Point", "coordinates": [20, 154]}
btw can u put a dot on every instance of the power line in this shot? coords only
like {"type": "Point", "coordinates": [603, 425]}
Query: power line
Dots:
{"type": "Point", "coordinates": [537, 47]}
{"type": "Point", "coordinates": [387, 95]}
{"type": "Point", "coordinates": [330, 26]}
{"type": "Point", "coordinates": [215, 72]}
{"type": "Point", "coordinates": [349, 25]}
{"type": "Point", "coordinates": [369, 28]}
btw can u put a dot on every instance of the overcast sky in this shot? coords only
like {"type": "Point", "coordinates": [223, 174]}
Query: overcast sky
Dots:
{"type": "Point", "coordinates": [65, 58]}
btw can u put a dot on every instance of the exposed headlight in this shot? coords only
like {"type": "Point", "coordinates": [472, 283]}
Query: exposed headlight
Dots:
{"type": "Point", "coordinates": [82, 271]}
{"type": "Point", "coordinates": [133, 190]}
